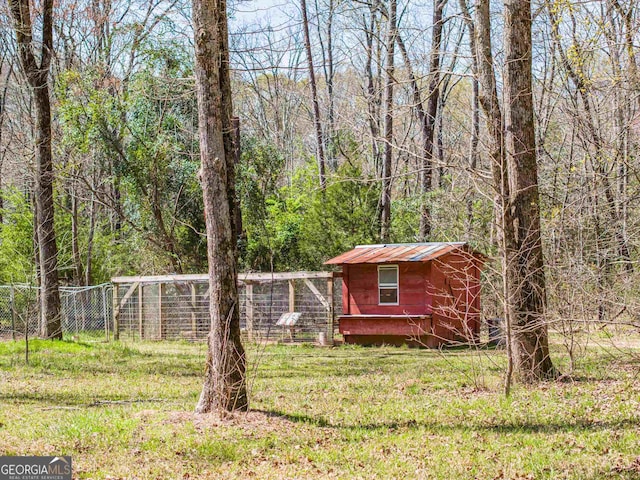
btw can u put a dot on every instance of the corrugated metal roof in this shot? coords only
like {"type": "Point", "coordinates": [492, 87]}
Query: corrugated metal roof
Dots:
{"type": "Point", "coordinates": [398, 252]}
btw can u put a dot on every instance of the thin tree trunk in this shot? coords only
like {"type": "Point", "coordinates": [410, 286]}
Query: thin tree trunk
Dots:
{"type": "Point", "coordinates": [88, 268]}
{"type": "Point", "coordinates": [525, 267]}
{"type": "Point", "coordinates": [224, 386]}
{"type": "Point", "coordinates": [373, 97]}
{"type": "Point", "coordinates": [328, 67]}
{"type": "Point", "coordinates": [38, 79]}
{"type": "Point", "coordinates": [622, 118]}
{"type": "Point", "coordinates": [630, 47]}
{"type": "Point", "coordinates": [36, 258]}
{"type": "Point", "coordinates": [3, 102]}
{"type": "Point", "coordinates": [441, 169]}
{"type": "Point", "coordinates": [488, 100]}
{"type": "Point", "coordinates": [78, 276]}
{"type": "Point", "coordinates": [475, 106]}
{"type": "Point", "coordinates": [385, 199]}
{"type": "Point", "coordinates": [429, 121]}
{"type": "Point", "coordinates": [314, 95]}
{"type": "Point", "coordinates": [333, 161]}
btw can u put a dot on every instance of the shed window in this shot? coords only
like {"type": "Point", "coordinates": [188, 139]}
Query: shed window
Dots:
{"type": "Point", "coordinates": [388, 284]}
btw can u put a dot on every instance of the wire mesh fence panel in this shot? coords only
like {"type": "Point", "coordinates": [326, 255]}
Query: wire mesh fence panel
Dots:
{"type": "Point", "coordinates": [19, 313]}
{"type": "Point", "coordinates": [337, 304]}
{"type": "Point", "coordinates": [185, 311]}
{"type": "Point", "coordinates": [84, 310]}
{"type": "Point", "coordinates": [264, 304]}
{"type": "Point", "coordinates": [172, 309]}
{"type": "Point", "coordinates": [128, 303]}
{"type": "Point", "coordinates": [175, 310]}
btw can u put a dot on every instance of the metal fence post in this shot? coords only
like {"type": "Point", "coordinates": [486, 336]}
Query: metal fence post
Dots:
{"type": "Point", "coordinates": [115, 313]}
{"type": "Point", "coordinates": [330, 312]}
{"type": "Point", "coordinates": [161, 289]}
{"type": "Point", "coordinates": [12, 302]}
{"type": "Point", "coordinates": [105, 317]}
{"type": "Point", "coordinates": [249, 309]}
{"type": "Point", "coordinates": [140, 311]}
{"type": "Point", "coordinates": [71, 295]}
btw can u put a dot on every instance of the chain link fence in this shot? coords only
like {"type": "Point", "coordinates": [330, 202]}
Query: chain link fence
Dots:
{"type": "Point", "coordinates": [84, 310]}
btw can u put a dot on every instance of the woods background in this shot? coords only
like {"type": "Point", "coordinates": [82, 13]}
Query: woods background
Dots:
{"type": "Point", "coordinates": [359, 123]}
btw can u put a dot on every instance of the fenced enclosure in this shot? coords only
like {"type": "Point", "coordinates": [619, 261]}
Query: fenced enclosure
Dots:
{"type": "Point", "coordinates": [285, 307]}
{"type": "Point", "coordinates": [85, 310]}
{"type": "Point", "coordinates": [280, 307]}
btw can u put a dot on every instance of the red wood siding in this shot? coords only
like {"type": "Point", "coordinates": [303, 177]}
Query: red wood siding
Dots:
{"type": "Point", "coordinates": [345, 290]}
{"type": "Point", "coordinates": [455, 280]}
{"type": "Point", "coordinates": [447, 289]}
{"type": "Point", "coordinates": [424, 341]}
{"type": "Point", "coordinates": [362, 290]}
{"type": "Point", "coordinates": [381, 325]}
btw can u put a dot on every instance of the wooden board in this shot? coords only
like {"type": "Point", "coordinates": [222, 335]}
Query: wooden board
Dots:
{"type": "Point", "coordinates": [385, 325]}
{"type": "Point", "coordinates": [242, 277]}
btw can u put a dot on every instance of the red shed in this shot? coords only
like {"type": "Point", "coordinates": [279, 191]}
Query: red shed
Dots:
{"type": "Point", "coordinates": [422, 294]}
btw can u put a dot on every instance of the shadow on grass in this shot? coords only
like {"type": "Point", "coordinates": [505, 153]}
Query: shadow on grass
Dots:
{"type": "Point", "coordinates": [71, 400]}
{"type": "Point", "coordinates": [50, 399]}
{"type": "Point", "coordinates": [514, 427]}
{"type": "Point", "coordinates": [585, 379]}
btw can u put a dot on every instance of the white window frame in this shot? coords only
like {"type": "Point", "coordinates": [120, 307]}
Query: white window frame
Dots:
{"type": "Point", "coordinates": [389, 285]}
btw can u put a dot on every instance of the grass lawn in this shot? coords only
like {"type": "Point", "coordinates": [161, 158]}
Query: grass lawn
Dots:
{"type": "Point", "coordinates": [125, 411]}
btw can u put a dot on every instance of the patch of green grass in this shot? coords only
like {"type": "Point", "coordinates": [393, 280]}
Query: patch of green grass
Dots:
{"type": "Point", "coordinates": [125, 411]}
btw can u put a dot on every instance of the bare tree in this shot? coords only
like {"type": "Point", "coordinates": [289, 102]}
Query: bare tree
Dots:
{"type": "Point", "coordinates": [314, 95]}
{"type": "Point", "coordinates": [608, 201]}
{"type": "Point", "coordinates": [525, 265]}
{"type": "Point", "coordinates": [428, 119]}
{"type": "Point", "coordinates": [490, 103]}
{"type": "Point", "coordinates": [475, 105]}
{"type": "Point", "coordinates": [224, 385]}
{"type": "Point", "coordinates": [329, 74]}
{"type": "Point", "coordinates": [37, 74]}
{"type": "Point", "coordinates": [4, 60]}
{"type": "Point", "coordinates": [372, 92]}
{"type": "Point", "coordinates": [385, 198]}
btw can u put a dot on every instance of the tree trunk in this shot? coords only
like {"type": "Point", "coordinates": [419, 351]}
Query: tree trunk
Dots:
{"type": "Point", "coordinates": [372, 95]}
{"type": "Point", "coordinates": [525, 267]}
{"type": "Point", "coordinates": [429, 120]}
{"type": "Point", "coordinates": [38, 78]}
{"type": "Point", "coordinates": [329, 74]}
{"type": "Point", "coordinates": [488, 99]}
{"type": "Point", "coordinates": [78, 276]}
{"type": "Point", "coordinates": [314, 95]}
{"type": "Point", "coordinates": [88, 268]}
{"type": "Point", "coordinates": [385, 199]}
{"type": "Point", "coordinates": [224, 386]}
{"type": "Point", "coordinates": [475, 105]}
{"type": "Point", "coordinates": [333, 161]}
{"type": "Point", "coordinates": [3, 102]}
{"type": "Point", "coordinates": [52, 327]}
